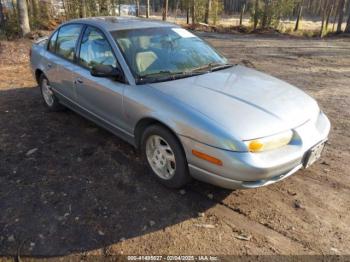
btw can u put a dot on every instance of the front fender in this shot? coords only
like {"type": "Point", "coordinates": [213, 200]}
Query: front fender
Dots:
{"type": "Point", "coordinates": [141, 102]}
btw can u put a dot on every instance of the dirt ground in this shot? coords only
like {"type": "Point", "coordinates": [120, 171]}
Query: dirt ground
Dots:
{"type": "Point", "coordinates": [69, 187]}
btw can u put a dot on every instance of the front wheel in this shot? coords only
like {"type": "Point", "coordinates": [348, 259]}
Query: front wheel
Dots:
{"type": "Point", "coordinates": [165, 157]}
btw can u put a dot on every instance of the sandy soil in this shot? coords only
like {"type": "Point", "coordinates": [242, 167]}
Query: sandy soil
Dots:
{"type": "Point", "coordinates": [68, 187]}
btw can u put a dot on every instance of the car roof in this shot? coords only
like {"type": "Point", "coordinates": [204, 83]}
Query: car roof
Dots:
{"type": "Point", "coordinates": [115, 23]}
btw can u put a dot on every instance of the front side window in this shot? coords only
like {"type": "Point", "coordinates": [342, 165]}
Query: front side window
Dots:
{"type": "Point", "coordinates": [67, 39]}
{"type": "Point", "coordinates": [95, 50]}
{"type": "Point", "coordinates": [157, 53]}
{"type": "Point", "coordinates": [52, 44]}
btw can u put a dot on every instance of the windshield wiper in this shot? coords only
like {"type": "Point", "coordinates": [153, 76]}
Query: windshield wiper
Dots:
{"type": "Point", "coordinates": [211, 67]}
{"type": "Point", "coordinates": [159, 73]}
{"type": "Point", "coordinates": [223, 66]}
{"type": "Point", "coordinates": [165, 76]}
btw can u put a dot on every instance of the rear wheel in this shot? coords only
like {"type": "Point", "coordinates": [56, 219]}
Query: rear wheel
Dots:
{"type": "Point", "coordinates": [165, 157]}
{"type": "Point", "coordinates": [50, 100]}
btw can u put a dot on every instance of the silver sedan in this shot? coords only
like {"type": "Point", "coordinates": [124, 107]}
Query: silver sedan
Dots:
{"type": "Point", "coordinates": [171, 95]}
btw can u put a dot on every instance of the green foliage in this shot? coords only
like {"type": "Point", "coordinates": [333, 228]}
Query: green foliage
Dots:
{"type": "Point", "coordinates": [11, 27]}
{"type": "Point", "coordinates": [199, 7]}
{"type": "Point", "coordinates": [270, 12]}
{"type": "Point", "coordinates": [215, 11]}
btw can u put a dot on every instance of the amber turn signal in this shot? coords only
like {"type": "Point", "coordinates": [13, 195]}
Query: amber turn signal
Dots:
{"type": "Point", "coordinates": [255, 146]}
{"type": "Point", "coordinates": [206, 157]}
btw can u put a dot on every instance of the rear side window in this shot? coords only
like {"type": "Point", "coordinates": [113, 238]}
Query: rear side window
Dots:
{"type": "Point", "coordinates": [52, 43]}
{"type": "Point", "coordinates": [67, 39]}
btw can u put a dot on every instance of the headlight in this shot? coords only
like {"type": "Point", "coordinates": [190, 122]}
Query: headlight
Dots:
{"type": "Point", "coordinates": [270, 142]}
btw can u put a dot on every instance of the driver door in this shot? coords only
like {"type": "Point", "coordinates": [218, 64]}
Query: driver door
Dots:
{"type": "Point", "coordinates": [100, 96]}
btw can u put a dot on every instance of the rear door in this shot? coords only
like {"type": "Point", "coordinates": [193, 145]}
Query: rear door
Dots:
{"type": "Point", "coordinates": [51, 60]}
{"type": "Point", "coordinates": [63, 59]}
{"type": "Point", "coordinates": [101, 96]}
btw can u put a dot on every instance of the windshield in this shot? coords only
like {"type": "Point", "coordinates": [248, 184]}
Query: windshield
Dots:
{"type": "Point", "coordinates": [159, 54]}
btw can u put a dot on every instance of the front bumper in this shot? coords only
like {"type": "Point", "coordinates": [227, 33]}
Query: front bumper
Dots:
{"type": "Point", "coordinates": [220, 181]}
{"type": "Point", "coordinates": [251, 170]}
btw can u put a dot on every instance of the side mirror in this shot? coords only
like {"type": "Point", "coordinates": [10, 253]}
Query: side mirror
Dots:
{"type": "Point", "coordinates": [106, 71]}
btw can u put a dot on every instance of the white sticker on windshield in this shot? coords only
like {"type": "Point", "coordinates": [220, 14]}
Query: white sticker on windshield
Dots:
{"type": "Point", "coordinates": [183, 33]}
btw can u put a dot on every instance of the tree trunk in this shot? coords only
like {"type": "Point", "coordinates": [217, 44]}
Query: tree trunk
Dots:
{"type": "Point", "coordinates": [241, 16]}
{"type": "Point", "coordinates": [137, 7]}
{"type": "Point", "coordinates": [347, 28]}
{"type": "Point", "coordinates": [147, 8]}
{"type": "Point", "coordinates": [330, 10]}
{"type": "Point", "coordinates": [36, 9]}
{"type": "Point", "coordinates": [108, 7]}
{"type": "Point", "coordinates": [165, 9]}
{"type": "Point", "coordinates": [2, 17]}
{"type": "Point", "coordinates": [324, 11]}
{"type": "Point", "coordinates": [265, 15]}
{"type": "Point", "coordinates": [334, 19]}
{"type": "Point", "coordinates": [45, 10]}
{"type": "Point", "coordinates": [113, 7]}
{"type": "Point", "coordinates": [30, 11]}
{"type": "Point", "coordinates": [14, 8]}
{"type": "Point", "coordinates": [256, 14]}
{"type": "Point", "coordinates": [193, 14]}
{"type": "Point", "coordinates": [23, 19]}
{"type": "Point", "coordinates": [65, 9]}
{"type": "Point", "coordinates": [119, 7]}
{"type": "Point", "coordinates": [215, 13]}
{"type": "Point", "coordinates": [207, 12]}
{"type": "Point", "coordinates": [340, 15]}
{"type": "Point", "coordinates": [176, 8]}
{"type": "Point", "coordinates": [83, 8]}
{"type": "Point", "coordinates": [188, 13]}
{"type": "Point", "coordinates": [300, 12]}
{"type": "Point", "coordinates": [347, 8]}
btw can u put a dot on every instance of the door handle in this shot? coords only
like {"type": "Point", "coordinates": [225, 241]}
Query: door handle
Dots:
{"type": "Point", "coordinates": [49, 65]}
{"type": "Point", "coordinates": [78, 81]}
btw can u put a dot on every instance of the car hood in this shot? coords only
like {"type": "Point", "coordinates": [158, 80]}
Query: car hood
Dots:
{"type": "Point", "coordinates": [247, 103]}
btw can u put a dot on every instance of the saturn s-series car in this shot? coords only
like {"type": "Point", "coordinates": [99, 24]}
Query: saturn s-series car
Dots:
{"type": "Point", "coordinates": [190, 112]}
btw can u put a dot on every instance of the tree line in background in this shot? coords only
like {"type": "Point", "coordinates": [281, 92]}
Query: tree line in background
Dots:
{"type": "Point", "coordinates": [19, 17]}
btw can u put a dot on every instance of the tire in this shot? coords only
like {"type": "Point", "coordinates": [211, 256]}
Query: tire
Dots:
{"type": "Point", "coordinates": [178, 174]}
{"type": "Point", "coordinates": [51, 103]}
